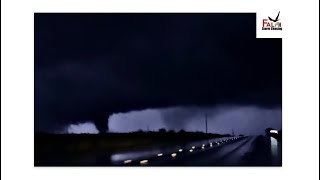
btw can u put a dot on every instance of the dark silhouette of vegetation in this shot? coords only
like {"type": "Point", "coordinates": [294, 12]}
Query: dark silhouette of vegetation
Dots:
{"type": "Point", "coordinates": [171, 131]}
{"type": "Point", "coordinates": [182, 131]}
{"type": "Point", "coordinates": [162, 130]}
{"type": "Point", "coordinates": [140, 131]}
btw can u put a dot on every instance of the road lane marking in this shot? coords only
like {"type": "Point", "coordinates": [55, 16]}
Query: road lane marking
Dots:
{"type": "Point", "coordinates": [144, 162]}
{"type": "Point", "coordinates": [173, 155]}
{"type": "Point", "coordinates": [127, 161]}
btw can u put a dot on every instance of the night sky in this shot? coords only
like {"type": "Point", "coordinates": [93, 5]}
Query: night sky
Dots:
{"type": "Point", "coordinates": [92, 66]}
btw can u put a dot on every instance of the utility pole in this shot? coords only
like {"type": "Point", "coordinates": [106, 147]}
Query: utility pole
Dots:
{"type": "Point", "coordinates": [206, 124]}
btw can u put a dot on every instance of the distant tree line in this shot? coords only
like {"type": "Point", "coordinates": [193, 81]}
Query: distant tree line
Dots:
{"type": "Point", "coordinates": [171, 131]}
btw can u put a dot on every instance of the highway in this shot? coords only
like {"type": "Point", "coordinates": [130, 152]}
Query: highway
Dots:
{"type": "Point", "coordinates": [227, 152]}
{"type": "Point", "coordinates": [224, 154]}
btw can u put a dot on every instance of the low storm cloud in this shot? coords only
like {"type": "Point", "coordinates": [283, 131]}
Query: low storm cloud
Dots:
{"type": "Point", "coordinates": [167, 69]}
{"type": "Point", "coordinates": [224, 119]}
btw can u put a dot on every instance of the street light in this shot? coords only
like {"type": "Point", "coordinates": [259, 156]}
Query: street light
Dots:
{"type": "Point", "coordinates": [274, 131]}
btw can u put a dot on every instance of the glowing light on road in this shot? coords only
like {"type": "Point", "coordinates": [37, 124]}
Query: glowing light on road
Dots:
{"type": "Point", "coordinates": [180, 150]}
{"type": "Point", "coordinates": [210, 144]}
{"type": "Point", "coordinates": [193, 147]}
{"type": "Point", "coordinates": [274, 149]}
{"type": "Point", "coordinates": [202, 147]}
{"type": "Point", "coordinates": [144, 162]}
{"type": "Point", "coordinates": [173, 155]}
{"type": "Point", "coordinates": [191, 150]}
{"type": "Point", "coordinates": [160, 154]}
{"type": "Point", "coordinates": [127, 161]}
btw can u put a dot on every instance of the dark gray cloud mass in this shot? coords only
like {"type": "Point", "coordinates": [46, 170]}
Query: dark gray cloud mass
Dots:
{"type": "Point", "coordinates": [89, 66]}
{"type": "Point", "coordinates": [179, 117]}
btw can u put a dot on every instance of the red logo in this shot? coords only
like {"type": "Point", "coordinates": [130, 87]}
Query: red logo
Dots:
{"type": "Point", "coordinates": [271, 24]}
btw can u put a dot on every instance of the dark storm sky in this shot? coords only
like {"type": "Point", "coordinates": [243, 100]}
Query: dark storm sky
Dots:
{"type": "Point", "coordinates": [89, 64]}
